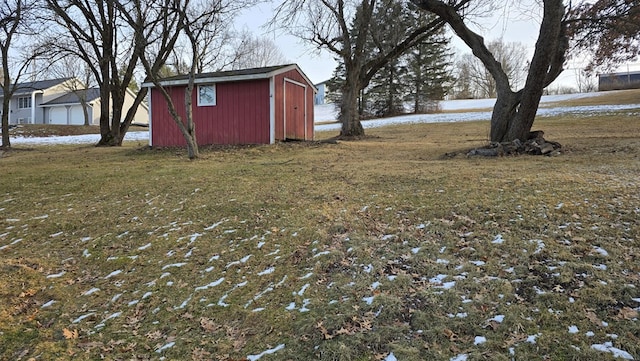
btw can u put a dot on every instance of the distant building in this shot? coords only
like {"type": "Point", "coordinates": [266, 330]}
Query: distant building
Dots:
{"type": "Point", "coordinates": [321, 95]}
{"type": "Point", "coordinates": [618, 81]}
{"type": "Point", "coordinates": [58, 101]}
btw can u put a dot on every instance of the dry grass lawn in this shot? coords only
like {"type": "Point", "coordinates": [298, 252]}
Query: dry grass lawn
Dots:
{"type": "Point", "coordinates": [364, 250]}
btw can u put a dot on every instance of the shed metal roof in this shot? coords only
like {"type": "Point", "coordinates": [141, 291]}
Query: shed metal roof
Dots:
{"type": "Point", "coordinates": [230, 75]}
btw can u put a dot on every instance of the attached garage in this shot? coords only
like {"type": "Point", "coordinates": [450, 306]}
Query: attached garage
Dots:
{"type": "Point", "coordinates": [249, 106]}
{"type": "Point", "coordinates": [68, 110]}
{"type": "Point", "coordinates": [69, 114]}
{"type": "Point", "coordinates": [57, 115]}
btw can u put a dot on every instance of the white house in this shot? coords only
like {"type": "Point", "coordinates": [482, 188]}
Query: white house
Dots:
{"type": "Point", "coordinates": [55, 101]}
{"type": "Point", "coordinates": [323, 91]}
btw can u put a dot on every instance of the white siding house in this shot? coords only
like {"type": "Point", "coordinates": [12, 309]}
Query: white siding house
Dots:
{"type": "Point", "coordinates": [55, 102]}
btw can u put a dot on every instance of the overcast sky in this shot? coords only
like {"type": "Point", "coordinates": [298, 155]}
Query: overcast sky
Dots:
{"type": "Point", "coordinates": [518, 21]}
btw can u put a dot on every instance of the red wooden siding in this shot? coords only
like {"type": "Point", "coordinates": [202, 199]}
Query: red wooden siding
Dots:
{"type": "Point", "coordinates": [243, 111]}
{"type": "Point", "coordinates": [240, 116]}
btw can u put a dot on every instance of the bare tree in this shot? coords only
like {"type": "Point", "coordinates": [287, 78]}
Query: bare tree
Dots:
{"type": "Point", "coordinates": [342, 27]}
{"type": "Point", "coordinates": [585, 81]}
{"type": "Point", "coordinates": [514, 111]}
{"type": "Point", "coordinates": [255, 52]}
{"type": "Point", "coordinates": [195, 21]}
{"type": "Point", "coordinates": [94, 31]}
{"type": "Point", "coordinates": [15, 22]}
{"type": "Point", "coordinates": [512, 58]}
{"type": "Point", "coordinates": [80, 80]}
{"type": "Point", "coordinates": [607, 29]}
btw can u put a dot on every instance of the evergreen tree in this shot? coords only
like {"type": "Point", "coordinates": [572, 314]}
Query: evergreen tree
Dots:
{"type": "Point", "coordinates": [420, 75]}
{"type": "Point", "coordinates": [386, 90]}
{"type": "Point", "coordinates": [428, 78]}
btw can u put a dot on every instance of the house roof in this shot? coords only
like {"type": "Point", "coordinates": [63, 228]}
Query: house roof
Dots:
{"type": "Point", "coordinates": [74, 97]}
{"type": "Point", "coordinates": [230, 75]}
{"type": "Point", "coordinates": [28, 87]}
{"type": "Point", "coordinates": [619, 74]}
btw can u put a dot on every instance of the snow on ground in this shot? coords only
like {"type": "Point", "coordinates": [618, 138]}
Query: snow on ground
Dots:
{"type": "Point", "coordinates": [75, 139]}
{"type": "Point", "coordinates": [328, 113]}
{"type": "Point", "coordinates": [474, 116]}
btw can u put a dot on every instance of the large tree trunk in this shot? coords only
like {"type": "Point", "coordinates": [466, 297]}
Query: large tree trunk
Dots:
{"type": "Point", "coordinates": [513, 113]}
{"type": "Point", "coordinates": [349, 115]}
{"type": "Point", "coordinates": [190, 136]}
{"type": "Point", "coordinates": [107, 138]}
{"type": "Point", "coordinates": [6, 143]}
{"type": "Point", "coordinates": [131, 113]}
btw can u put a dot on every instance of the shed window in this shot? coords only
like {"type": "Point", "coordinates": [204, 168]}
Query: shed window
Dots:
{"type": "Point", "coordinates": [206, 95]}
{"type": "Point", "coordinates": [24, 102]}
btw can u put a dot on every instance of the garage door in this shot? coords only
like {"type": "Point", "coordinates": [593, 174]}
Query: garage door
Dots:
{"type": "Point", "coordinates": [77, 115]}
{"type": "Point", "coordinates": [58, 115]}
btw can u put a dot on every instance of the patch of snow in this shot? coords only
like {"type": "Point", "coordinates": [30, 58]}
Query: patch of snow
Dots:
{"type": "Point", "coordinates": [306, 302]}
{"type": "Point", "coordinates": [368, 300]}
{"type": "Point", "coordinates": [304, 288]}
{"type": "Point", "coordinates": [539, 245]}
{"type": "Point", "coordinates": [267, 271]}
{"type": "Point", "coordinates": [532, 338]}
{"type": "Point", "coordinates": [573, 329]}
{"type": "Point", "coordinates": [91, 291]}
{"type": "Point", "coordinates": [601, 250]}
{"type": "Point", "coordinates": [321, 254]}
{"type": "Point", "coordinates": [267, 352]}
{"type": "Point", "coordinates": [56, 275]}
{"type": "Point", "coordinates": [47, 304]}
{"type": "Point", "coordinates": [214, 225]}
{"type": "Point", "coordinates": [184, 303]}
{"type": "Point", "coordinates": [498, 239]}
{"type": "Point", "coordinates": [166, 346]}
{"type": "Point", "coordinates": [479, 340]}
{"type": "Point", "coordinates": [608, 347]}
{"type": "Point", "coordinates": [390, 357]}
{"type": "Point", "coordinates": [221, 301]}
{"type": "Point", "coordinates": [447, 285]}
{"type": "Point", "coordinates": [83, 317]}
{"type": "Point", "coordinates": [112, 274]}
{"type": "Point", "coordinates": [173, 265]}
{"type": "Point", "coordinates": [212, 284]}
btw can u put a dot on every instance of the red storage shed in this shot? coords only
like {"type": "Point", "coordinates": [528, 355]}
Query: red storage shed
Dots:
{"type": "Point", "coordinates": [249, 106]}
